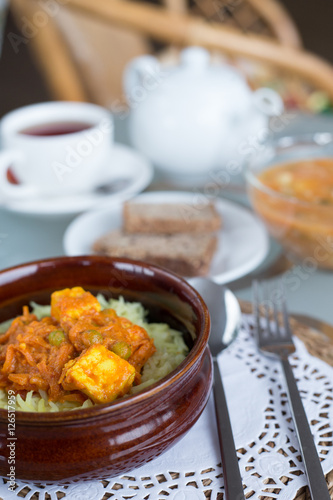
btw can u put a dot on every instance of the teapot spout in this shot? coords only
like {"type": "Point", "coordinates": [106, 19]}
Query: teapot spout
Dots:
{"type": "Point", "coordinates": [268, 101]}
{"type": "Point", "coordinates": [141, 75]}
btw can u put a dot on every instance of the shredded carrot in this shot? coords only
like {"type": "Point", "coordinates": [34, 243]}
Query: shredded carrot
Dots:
{"type": "Point", "coordinates": [33, 354]}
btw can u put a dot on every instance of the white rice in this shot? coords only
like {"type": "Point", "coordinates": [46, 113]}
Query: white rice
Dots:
{"type": "Point", "coordinates": [170, 352]}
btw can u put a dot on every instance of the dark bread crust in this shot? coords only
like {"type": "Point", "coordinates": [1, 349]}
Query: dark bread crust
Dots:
{"type": "Point", "coordinates": [170, 218]}
{"type": "Point", "coordinates": [184, 254]}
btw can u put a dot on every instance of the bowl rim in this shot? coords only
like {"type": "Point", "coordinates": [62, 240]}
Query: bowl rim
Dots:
{"type": "Point", "coordinates": [285, 141]}
{"type": "Point", "coordinates": [107, 409]}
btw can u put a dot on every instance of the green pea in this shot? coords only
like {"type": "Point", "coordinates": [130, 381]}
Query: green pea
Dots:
{"type": "Point", "coordinates": [56, 337]}
{"type": "Point", "coordinates": [93, 337]}
{"type": "Point", "coordinates": [122, 349]}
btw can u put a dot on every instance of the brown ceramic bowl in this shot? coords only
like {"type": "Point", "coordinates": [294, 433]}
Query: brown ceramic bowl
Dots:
{"type": "Point", "coordinates": [110, 439]}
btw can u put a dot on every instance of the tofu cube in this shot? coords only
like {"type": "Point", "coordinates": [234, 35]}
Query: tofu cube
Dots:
{"type": "Point", "coordinates": [69, 304]}
{"type": "Point", "coordinates": [99, 373]}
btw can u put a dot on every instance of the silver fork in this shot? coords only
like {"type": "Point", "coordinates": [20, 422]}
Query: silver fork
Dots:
{"type": "Point", "coordinates": [277, 341]}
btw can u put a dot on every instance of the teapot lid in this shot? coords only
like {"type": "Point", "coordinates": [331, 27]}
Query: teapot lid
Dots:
{"type": "Point", "coordinates": [220, 76]}
{"type": "Point", "coordinates": [195, 57]}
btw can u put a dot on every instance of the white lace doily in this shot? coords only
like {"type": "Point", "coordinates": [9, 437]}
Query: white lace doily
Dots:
{"type": "Point", "coordinates": [263, 429]}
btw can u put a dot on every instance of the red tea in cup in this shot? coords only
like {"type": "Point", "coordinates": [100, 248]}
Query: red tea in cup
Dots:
{"type": "Point", "coordinates": [56, 128]}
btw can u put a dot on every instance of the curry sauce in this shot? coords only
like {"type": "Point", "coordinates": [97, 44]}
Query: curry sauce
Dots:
{"type": "Point", "coordinates": [80, 351]}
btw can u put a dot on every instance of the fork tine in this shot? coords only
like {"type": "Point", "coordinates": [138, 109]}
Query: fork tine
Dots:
{"type": "Point", "coordinates": [286, 324]}
{"type": "Point", "coordinates": [268, 330]}
{"type": "Point", "coordinates": [256, 312]}
{"type": "Point", "coordinates": [261, 331]}
{"type": "Point", "coordinates": [276, 317]}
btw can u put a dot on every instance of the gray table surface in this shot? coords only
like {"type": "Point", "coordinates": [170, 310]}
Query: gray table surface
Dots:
{"type": "Point", "coordinates": [24, 238]}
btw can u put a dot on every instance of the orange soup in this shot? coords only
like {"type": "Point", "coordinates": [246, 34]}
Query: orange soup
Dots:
{"type": "Point", "coordinates": [307, 180]}
{"type": "Point", "coordinates": [297, 207]}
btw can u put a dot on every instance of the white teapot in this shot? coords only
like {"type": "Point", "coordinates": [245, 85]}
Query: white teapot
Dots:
{"type": "Point", "coordinates": [195, 117]}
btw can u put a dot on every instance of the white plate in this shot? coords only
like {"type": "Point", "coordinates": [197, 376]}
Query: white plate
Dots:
{"type": "Point", "coordinates": [242, 241]}
{"type": "Point", "coordinates": [134, 174]}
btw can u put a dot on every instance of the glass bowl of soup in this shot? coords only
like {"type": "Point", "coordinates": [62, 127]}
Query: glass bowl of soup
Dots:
{"type": "Point", "coordinates": [290, 186]}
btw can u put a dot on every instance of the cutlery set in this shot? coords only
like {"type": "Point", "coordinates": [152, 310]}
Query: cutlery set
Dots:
{"type": "Point", "coordinates": [274, 339]}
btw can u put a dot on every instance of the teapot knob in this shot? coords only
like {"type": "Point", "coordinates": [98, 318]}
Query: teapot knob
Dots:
{"type": "Point", "coordinates": [196, 57]}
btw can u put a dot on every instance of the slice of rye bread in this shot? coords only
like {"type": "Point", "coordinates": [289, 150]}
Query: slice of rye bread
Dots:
{"type": "Point", "coordinates": [185, 254]}
{"type": "Point", "coordinates": [165, 218]}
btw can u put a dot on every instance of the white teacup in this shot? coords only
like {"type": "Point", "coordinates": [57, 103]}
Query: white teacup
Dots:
{"type": "Point", "coordinates": [54, 148]}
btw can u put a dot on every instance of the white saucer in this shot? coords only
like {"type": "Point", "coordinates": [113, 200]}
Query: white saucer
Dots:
{"type": "Point", "coordinates": [135, 174]}
{"type": "Point", "coordinates": [242, 242]}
